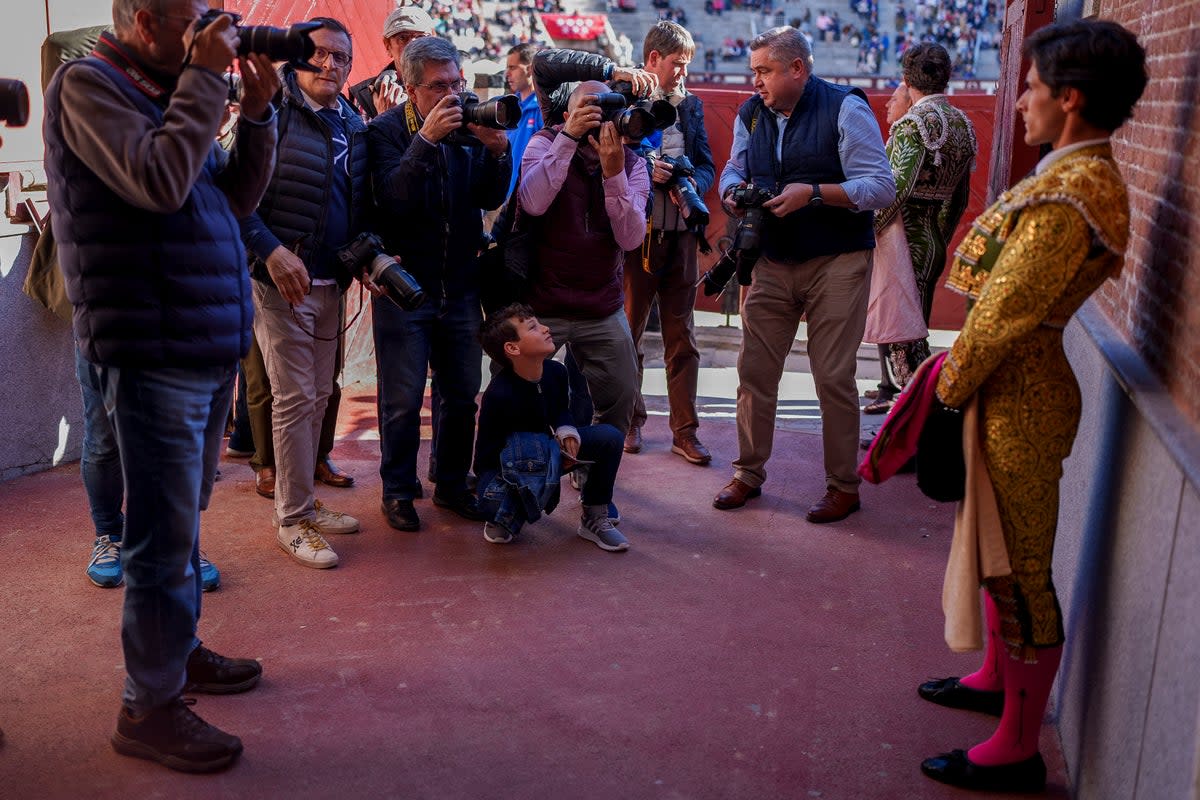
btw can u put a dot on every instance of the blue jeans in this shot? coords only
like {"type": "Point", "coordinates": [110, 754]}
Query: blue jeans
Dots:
{"type": "Point", "coordinates": [169, 424]}
{"type": "Point", "coordinates": [100, 464]}
{"type": "Point", "coordinates": [408, 343]}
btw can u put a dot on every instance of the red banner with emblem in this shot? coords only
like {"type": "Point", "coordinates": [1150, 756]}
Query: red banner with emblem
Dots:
{"type": "Point", "coordinates": [578, 27]}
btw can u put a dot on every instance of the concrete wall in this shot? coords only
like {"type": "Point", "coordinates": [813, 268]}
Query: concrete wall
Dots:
{"type": "Point", "coordinates": [1128, 573]}
{"type": "Point", "coordinates": [40, 408]}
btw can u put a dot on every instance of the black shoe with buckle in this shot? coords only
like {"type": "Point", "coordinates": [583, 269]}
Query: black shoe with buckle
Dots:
{"type": "Point", "coordinates": [951, 693]}
{"type": "Point", "coordinates": [175, 737]}
{"type": "Point", "coordinates": [210, 673]}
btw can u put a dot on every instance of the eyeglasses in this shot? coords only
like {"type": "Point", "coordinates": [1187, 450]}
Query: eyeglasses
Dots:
{"type": "Point", "coordinates": [441, 87]}
{"type": "Point", "coordinates": [320, 55]}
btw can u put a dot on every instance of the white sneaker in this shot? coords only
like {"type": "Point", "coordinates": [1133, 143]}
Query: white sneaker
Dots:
{"type": "Point", "coordinates": [334, 521]}
{"type": "Point", "coordinates": [496, 533]}
{"type": "Point", "coordinates": [304, 542]}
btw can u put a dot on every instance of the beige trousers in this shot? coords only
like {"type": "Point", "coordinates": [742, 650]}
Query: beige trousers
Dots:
{"type": "Point", "coordinates": [831, 292]}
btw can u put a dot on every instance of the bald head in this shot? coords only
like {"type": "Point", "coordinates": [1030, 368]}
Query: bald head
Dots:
{"type": "Point", "coordinates": [584, 89]}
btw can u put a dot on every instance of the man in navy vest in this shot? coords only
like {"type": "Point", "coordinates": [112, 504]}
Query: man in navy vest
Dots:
{"type": "Point", "coordinates": [144, 209]}
{"type": "Point", "coordinates": [818, 147]}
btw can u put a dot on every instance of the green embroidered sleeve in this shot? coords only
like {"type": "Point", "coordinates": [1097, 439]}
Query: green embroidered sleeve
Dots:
{"type": "Point", "coordinates": [905, 152]}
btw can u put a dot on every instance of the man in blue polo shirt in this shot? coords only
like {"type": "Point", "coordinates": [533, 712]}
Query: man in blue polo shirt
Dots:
{"type": "Point", "coordinates": [518, 73]}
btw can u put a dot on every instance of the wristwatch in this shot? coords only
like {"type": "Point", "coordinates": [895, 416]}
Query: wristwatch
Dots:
{"type": "Point", "coordinates": [816, 199]}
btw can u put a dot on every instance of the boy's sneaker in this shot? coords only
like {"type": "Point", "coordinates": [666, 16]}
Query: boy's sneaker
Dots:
{"type": "Point", "coordinates": [614, 516]}
{"type": "Point", "coordinates": [210, 576]}
{"type": "Point", "coordinates": [210, 673]}
{"type": "Point", "coordinates": [598, 528]}
{"type": "Point", "coordinates": [104, 569]}
{"type": "Point", "coordinates": [334, 521]}
{"type": "Point", "coordinates": [496, 533]}
{"type": "Point", "coordinates": [304, 543]}
{"type": "Point", "coordinates": [175, 737]}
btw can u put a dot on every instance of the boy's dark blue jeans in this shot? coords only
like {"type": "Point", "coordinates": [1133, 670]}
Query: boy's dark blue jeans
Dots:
{"type": "Point", "coordinates": [527, 484]}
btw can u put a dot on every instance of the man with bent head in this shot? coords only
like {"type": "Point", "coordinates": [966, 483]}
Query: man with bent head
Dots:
{"type": "Point", "coordinates": [817, 146]}
{"type": "Point", "coordinates": [145, 216]}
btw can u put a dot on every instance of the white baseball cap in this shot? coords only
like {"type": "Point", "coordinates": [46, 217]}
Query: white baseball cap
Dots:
{"type": "Point", "coordinates": [408, 18]}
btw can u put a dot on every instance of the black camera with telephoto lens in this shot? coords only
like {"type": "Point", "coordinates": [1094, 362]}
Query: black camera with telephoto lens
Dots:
{"type": "Point", "coordinates": [693, 209]}
{"type": "Point", "coordinates": [14, 103]}
{"type": "Point", "coordinates": [365, 256]}
{"type": "Point", "coordinates": [633, 117]}
{"type": "Point", "coordinates": [747, 241]}
{"type": "Point", "coordinates": [501, 113]}
{"type": "Point", "coordinates": [293, 44]}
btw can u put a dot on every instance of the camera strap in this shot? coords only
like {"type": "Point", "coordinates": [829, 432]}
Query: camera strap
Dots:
{"type": "Point", "coordinates": [410, 116]}
{"type": "Point", "coordinates": [110, 51]}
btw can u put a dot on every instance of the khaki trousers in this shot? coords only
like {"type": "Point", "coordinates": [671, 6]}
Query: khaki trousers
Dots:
{"type": "Point", "coordinates": [832, 292]}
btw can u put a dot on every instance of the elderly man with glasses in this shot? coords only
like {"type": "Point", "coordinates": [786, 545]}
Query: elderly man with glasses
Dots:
{"type": "Point", "coordinates": [432, 182]}
{"type": "Point", "coordinates": [315, 205]}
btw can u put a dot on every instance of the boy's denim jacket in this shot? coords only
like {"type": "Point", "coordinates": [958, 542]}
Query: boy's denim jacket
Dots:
{"type": "Point", "coordinates": [528, 483]}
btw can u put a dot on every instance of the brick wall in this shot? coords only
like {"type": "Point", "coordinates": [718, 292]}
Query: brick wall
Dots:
{"type": "Point", "coordinates": [1156, 302]}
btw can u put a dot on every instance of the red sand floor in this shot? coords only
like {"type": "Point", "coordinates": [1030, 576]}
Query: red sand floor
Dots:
{"type": "Point", "coordinates": [741, 654]}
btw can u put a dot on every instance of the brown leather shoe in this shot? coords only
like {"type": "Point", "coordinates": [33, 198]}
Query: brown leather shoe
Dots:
{"type": "Point", "coordinates": [328, 474]}
{"type": "Point", "coordinates": [735, 495]}
{"type": "Point", "coordinates": [835, 505]}
{"type": "Point", "coordinates": [633, 439]}
{"type": "Point", "coordinates": [691, 449]}
{"type": "Point", "coordinates": [264, 482]}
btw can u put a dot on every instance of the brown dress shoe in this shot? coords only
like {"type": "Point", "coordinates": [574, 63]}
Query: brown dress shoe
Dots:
{"type": "Point", "coordinates": [735, 495]}
{"type": "Point", "coordinates": [691, 449]}
{"type": "Point", "coordinates": [264, 482]}
{"type": "Point", "coordinates": [633, 439]}
{"type": "Point", "coordinates": [328, 474]}
{"type": "Point", "coordinates": [835, 505]}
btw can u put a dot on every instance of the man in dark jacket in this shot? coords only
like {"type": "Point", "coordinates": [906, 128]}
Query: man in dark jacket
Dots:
{"type": "Point", "coordinates": [145, 217]}
{"type": "Point", "coordinates": [315, 204]}
{"type": "Point", "coordinates": [666, 266]}
{"type": "Point", "coordinates": [376, 95]}
{"type": "Point", "coordinates": [431, 187]}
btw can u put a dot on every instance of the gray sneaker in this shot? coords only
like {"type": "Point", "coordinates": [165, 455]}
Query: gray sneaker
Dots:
{"type": "Point", "coordinates": [496, 533]}
{"type": "Point", "coordinates": [598, 528]}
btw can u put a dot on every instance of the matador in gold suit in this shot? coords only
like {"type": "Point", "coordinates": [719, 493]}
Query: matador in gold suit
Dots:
{"type": "Point", "coordinates": [1029, 262]}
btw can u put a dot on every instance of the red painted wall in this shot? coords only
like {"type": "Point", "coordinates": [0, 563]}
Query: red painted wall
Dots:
{"type": "Point", "coordinates": [720, 110]}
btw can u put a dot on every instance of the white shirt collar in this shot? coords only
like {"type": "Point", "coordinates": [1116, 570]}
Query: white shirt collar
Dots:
{"type": "Point", "coordinates": [315, 106]}
{"type": "Point", "coordinates": [1062, 152]}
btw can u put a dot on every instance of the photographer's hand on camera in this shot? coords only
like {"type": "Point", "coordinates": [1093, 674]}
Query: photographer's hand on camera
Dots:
{"type": "Point", "coordinates": [387, 93]}
{"type": "Point", "coordinates": [727, 201]}
{"type": "Point", "coordinates": [215, 46]}
{"type": "Point", "coordinates": [370, 285]}
{"type": "Point", "coordinates": [260, 84]}
{"type": "Point", "coordinates": [445, 118]}
{"type": "Point", "coordinates": [289, 275]}
{"type": "Point", "coordinates": [495, 140]}
{"type": "Point", "coordinates": [611, 149]}
{"type": "Point", "coordinates": [643, 82]}
{"type": "Point", "coordinates": [793, 197]}
{"type": "Point", "coordinates": [662, 172]}
{"type": "Point", "coordinates": [587, 115]}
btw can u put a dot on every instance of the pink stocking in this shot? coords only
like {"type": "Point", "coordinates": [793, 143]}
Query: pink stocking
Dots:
{"type": "Point", "coordinates": [990, 676]}
{"type": "Point", "coordinates": [1026, 692]}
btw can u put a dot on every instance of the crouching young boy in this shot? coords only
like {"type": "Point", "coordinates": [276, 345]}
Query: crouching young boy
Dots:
{"type": "Point", "coordinates": [526, 441]}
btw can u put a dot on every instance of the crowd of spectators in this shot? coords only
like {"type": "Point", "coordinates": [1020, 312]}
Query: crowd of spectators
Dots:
{"type": "Point", "coordinates": [464, 23]}
{"type": "Point", "coordinates": [964, 27]}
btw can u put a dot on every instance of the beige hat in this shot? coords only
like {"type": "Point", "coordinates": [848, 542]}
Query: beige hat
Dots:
{"type": "Point", "coordinates": [407, 18]}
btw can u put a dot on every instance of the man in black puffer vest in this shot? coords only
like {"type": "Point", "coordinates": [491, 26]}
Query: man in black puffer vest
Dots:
{"type": "Point", "coordinates": [432, 189]}
{"type": "Point", "coordinates": [317, 202]}
{"type": "Point", "coordinates": [144, 210]}
{"type": "Point", "coordinates": [818, 148]}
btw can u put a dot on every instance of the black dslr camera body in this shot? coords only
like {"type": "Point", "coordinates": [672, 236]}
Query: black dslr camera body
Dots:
{"type": "Point", "coordinates": [365, 256]}
{"type": "Point", "coordinates": [633, 117]}
{"type": "Point", "coordinates": [14, 103]}
{"type": "Point", "coordinates": [693, 209]}
{"type": "Point", "coordinates": [500, 113]}
{"type": "Point", "coordinates": [292, 44]}
{"type": "Point", "coordinates": [747, 241]}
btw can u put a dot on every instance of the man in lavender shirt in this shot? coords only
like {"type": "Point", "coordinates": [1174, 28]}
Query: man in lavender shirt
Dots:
{"type": "Point", "coordinates": [583, 194]}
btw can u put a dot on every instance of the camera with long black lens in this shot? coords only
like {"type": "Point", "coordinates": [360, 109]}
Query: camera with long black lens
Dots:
{"type": "Point", "coordinates": [693, 209]}
{"type": "Point", "coordinates": [634, 119]}
{"type": "Point", "coordinates": [499, 113]}
{"type": "Point", "coordinates": [293, 44]}
{"type": "Point", "coordinates": [747, 241]}
{"type": "Point", "coordinates": [365, 256]}
{"type": "Point", "coordinates": [14, 103]}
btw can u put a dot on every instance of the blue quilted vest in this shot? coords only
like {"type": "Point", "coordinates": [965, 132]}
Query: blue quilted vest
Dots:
{"type": "Point", "coordinates": [149, 289]}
